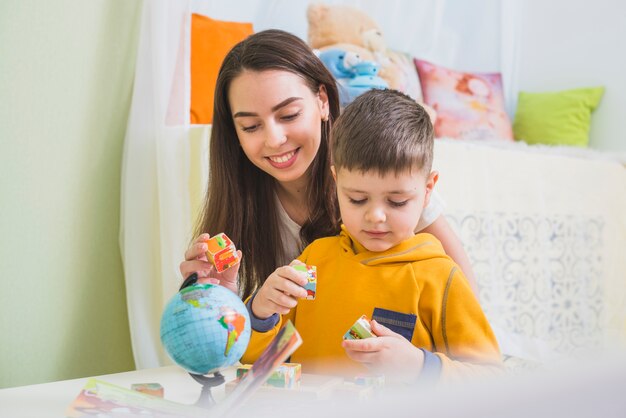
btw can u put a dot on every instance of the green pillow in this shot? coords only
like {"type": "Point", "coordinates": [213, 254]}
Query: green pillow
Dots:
{"type": "Point", "coordinates": [556, 118]}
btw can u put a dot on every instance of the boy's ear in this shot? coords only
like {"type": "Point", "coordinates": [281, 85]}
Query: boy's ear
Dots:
{"type": "Point", "coordinates": [332, 170]}
{"type": "Point", "coordinates": [430, 185]}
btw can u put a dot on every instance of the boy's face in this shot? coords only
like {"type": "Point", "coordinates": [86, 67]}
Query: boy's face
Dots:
{"type": "Point", "coordinates": [381, 211]}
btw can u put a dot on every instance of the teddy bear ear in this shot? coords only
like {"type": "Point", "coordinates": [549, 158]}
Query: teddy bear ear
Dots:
{"type": "Point", "coordinates": [373, 40]}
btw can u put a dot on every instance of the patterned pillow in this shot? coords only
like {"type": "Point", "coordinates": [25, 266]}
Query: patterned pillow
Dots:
{"type": "Point", "coordinates": [401, 74]}
{"type": "Point", "coordinates": [468, 105]}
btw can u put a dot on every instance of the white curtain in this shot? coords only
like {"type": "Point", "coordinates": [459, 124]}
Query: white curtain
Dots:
{"type": "Point", "coordinates": [165, 159]}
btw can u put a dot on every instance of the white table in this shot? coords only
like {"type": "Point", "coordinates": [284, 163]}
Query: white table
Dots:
{"type": "Point", "coordinates": [52, 399]}
{"type": "Point", "coordinates": [582, 389]}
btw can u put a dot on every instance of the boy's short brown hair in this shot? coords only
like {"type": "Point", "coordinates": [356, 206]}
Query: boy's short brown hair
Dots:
{"type": "Point", "coordinates": [383, 131]}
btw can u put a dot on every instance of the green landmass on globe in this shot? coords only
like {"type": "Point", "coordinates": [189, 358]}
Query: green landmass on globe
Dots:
{"type": "Point", "coordinates": [234, 324]}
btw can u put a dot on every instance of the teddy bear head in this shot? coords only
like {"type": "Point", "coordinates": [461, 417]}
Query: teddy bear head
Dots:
{"type": "Point", "coordinates": [329, 25]}
{"type": "Point", "coordinates": [350, 30]}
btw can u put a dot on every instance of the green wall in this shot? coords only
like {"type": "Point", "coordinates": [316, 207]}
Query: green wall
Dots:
{"type": "Point", "coordinates": [66, 74]}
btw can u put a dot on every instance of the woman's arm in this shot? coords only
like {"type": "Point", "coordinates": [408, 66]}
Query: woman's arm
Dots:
{"type": "Point", "coordinates": [453, 247]}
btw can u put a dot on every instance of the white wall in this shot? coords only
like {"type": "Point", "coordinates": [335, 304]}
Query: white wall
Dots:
{"type": "Point", "coordinates": [561, 44]}
{"type": "Point", "coordinates": [579, 43]}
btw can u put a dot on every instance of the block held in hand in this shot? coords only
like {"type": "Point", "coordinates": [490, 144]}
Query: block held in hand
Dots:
{"type": "Point", "coordinates": [221, 252]}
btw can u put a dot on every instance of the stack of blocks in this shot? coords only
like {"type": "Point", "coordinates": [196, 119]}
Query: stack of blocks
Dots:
{"type": "Point", "coordinates": [287, 375]}
{"type": "Point", "coordinates": [222, 252]}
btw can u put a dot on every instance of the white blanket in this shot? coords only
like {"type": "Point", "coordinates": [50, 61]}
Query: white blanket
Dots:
{"type": "Point", "coordinates": [546, 234]}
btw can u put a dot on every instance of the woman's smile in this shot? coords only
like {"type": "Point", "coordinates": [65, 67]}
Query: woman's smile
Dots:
{"type": "Point", "coordinates": [284, 160]}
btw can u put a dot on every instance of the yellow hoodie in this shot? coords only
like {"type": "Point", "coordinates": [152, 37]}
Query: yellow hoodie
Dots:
{"type": "Point", "coordinates": [414, 277]}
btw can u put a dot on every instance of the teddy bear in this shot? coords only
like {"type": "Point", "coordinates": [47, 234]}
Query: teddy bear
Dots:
{"type": "Point", "coordinates": [341, 27]}
{"type": "Point", "coordinates": [354, 75]}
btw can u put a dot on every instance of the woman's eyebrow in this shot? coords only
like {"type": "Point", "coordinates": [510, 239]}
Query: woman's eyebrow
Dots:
{"type": "Point", "coordinates": [274, 108]}
{"type": "Point", "coordinates": [285, 103]}
{"type": "Point", "coordinates": [244, 114]}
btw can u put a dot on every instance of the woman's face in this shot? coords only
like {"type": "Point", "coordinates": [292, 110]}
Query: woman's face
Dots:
{"type": "Point", "coordinates": [278, 121]}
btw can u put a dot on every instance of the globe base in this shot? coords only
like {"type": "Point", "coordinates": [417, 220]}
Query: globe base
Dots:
{"type": "Point", "coordinates": [206, 399]}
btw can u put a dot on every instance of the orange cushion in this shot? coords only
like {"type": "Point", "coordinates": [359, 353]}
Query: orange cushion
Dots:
{"type": "Point", "coordinates": [210, 42]}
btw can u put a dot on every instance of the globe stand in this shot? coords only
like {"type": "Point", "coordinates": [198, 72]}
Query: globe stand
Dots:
{"type": "Point", "coordinates": [191, 280]}
{"type": "Point", "coordinates": [206, 399]}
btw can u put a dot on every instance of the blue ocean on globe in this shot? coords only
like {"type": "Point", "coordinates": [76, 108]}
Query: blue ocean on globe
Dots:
{"type": "Point", "coordinates": [205, 328]}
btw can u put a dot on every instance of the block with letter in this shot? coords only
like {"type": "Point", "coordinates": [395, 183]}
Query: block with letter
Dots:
{"type": "Point", "coordinates": [222, 252]}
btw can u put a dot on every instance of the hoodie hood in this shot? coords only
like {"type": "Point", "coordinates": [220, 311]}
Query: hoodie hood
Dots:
{"type": "Point", "coordinates": [421, 246]}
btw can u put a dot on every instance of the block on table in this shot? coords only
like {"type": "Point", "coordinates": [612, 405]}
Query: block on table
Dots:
{"type": "Point", "coordinates": [287, 375]}
{"type": "Point", "coordinates": [154, 389]}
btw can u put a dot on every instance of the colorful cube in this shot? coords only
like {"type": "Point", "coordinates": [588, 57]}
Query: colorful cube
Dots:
{"type": "Point", "coordinates": [360, 330]}
{"type": "Point", "coordinates": [311, 275]}
{"type": "Point", "coordinates": [287, 375]}
{"type": "Point", "coordinates": [154, 389]}
{"type": "Point", "coordinates": [222, 252]}
{"type": "Point", "coordinates": [242, 370]}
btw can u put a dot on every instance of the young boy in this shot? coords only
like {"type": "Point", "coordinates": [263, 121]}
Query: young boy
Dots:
{"type": "Point", "coordinates": [382, 150]}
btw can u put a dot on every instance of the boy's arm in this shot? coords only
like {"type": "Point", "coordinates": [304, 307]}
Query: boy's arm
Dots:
{"type": "Point", "coordinates": [453, 247]}
{"type": "Point", "coordinates": [264, 330]}
{"type": "Point", "coordinates": [463, 338]}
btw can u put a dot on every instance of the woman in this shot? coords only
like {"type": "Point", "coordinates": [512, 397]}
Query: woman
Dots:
{"type": "Point", "coordinates": [270, 186]}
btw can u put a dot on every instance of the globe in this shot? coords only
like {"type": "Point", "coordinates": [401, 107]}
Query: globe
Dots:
{"type": "Point", "coordinates": [205, 328]}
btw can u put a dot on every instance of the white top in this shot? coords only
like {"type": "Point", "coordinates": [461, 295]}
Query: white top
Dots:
{"type": "Point", "coordinates": [289, 234]}
{"type": "Point", "coordinates": [290, 230]}
{"type": "Point", "coordinates": [435, 208]}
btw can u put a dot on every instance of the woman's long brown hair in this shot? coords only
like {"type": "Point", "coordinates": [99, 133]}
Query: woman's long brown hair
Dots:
{"type": "Point", "coordinates": [240, 197]}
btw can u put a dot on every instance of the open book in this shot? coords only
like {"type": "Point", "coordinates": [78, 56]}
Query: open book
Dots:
{"type": "Point", "coordinates": [282, 346]}
{"type": "Point", "coordinates": [111, 400]}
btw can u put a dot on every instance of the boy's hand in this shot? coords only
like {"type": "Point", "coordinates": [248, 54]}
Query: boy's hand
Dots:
{"type": "Point", "coordinates": [280, 292]}
{"type": "Point", "coordinates": [197, 262]}
{"type": "Point", "coordinates": [390, 353]}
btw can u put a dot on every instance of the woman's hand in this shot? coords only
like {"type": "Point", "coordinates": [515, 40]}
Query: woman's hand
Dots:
{"type": "Point", "coordinates": [389, 353]}
{"type": "Point", "coordinates": [280, 292]}
{"type": "Point", "coordinates": [227, 278]}
{"type": "Point", "coordinates": [196, 262]}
